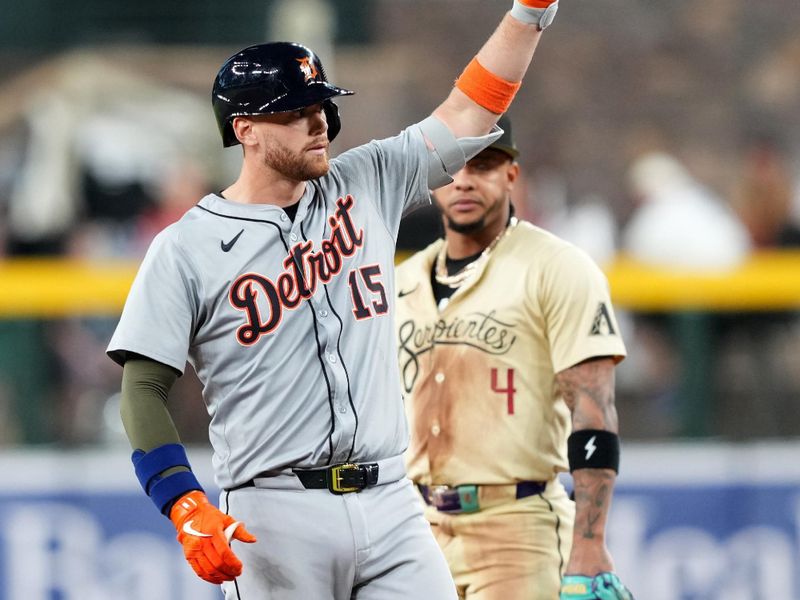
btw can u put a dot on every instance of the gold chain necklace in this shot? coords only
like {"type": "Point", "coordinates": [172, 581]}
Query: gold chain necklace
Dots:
{"type": "Point", "coordinates": [456, 280]}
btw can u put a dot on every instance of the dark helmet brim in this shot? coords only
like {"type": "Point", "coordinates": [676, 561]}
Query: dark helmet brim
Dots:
{"type": "Point", "coordinates": [250, 101]}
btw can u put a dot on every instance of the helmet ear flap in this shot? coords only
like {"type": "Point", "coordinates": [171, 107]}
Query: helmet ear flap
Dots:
{"type": "Point", "coordinates": [332, 117]}
{"type": "Point", "coordinates": [228, 136]}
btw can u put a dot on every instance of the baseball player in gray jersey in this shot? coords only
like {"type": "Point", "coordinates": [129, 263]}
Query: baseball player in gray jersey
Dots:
{"type": "Point", "coordinates": [279, 292]}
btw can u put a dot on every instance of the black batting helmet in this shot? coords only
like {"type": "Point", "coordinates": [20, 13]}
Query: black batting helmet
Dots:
{"type": "Point", "coordinates": [271, 78]}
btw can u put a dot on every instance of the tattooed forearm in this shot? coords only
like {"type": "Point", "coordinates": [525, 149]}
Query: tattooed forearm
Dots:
{"type": "Point", "coordinates": [588, 390]}
{"type": "Point", "coordinates": [593, 489]}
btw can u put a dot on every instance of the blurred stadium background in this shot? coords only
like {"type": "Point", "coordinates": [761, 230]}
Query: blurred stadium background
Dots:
{"type": "Point", "coordinates": [107, 135]}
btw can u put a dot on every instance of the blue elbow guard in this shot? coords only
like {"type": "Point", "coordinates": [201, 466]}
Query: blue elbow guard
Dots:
{"type": "Point", "coordinates": [163, 490]}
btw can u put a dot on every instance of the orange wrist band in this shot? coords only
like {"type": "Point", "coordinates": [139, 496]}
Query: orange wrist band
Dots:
{"type": "Point", "coordinates": [487, 89]}
{"type": "Point", "coordinates": [536, 3]}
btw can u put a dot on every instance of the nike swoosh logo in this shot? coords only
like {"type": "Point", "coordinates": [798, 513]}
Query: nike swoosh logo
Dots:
{"type": "Point", "coordinates": [402, 293]}
{"type": "Point", "coordinates": [227, 247]}
{"type": "Point", "coordinates": [187, 528]}
{"type": "Point", "coordinates": [230, 530]}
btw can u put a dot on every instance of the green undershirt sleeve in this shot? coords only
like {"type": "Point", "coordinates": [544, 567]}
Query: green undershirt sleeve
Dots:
{"type": "Point", "coordinates": [143, 404]}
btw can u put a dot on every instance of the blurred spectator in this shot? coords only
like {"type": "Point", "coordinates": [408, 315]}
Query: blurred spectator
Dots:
{"type": "Point", "coordinates": [765, 193]}
{"type": "Point", "coordinates": [44, 198]}
{"type": "Point", "coordinates": [590, 224]}
{"type": "Point", "coordinates": [85, 381]}
{"type": "Point", "coordinates": [763, 199]}
{"type": "Point", "coordinates": [679, 222]}
{"type": "Point", "coordinates": [176, 190]}
{"type": "Point", "coordinates": [179, 188]}
{"type": "Point", "coordinates": [94, 129]}
{"type": "Point", "coordinates": [88, 383]}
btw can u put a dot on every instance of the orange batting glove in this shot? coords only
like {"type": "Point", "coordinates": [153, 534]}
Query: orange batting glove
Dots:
{"type": "Point", "coordinates": [205, 534]}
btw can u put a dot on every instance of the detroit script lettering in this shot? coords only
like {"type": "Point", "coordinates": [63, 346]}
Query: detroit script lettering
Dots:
{"type": "Point", "coordinates": [304, 270]}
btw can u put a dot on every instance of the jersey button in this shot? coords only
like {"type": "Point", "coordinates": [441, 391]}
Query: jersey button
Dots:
{"type": "Point", "coordinates": [439, 377]}
{"type": "Point", "coordinates": [332, 358]}
{"type": "Point", "coordinates": [435, 429]}
{"type": "Point", "coordinates": [342, 408]}
{"type": "Point", "coordinates": [323, 313]}
{"type": "Point", "coordinates": [284, 217]}
{"type": "Point", "coordinates": [293, 237]}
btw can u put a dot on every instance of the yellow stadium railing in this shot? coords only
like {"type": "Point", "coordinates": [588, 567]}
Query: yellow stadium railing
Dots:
{"type": "Point", "coordinates": [47, 288]}
{"type": "Point", "coordinates": [767, 281]}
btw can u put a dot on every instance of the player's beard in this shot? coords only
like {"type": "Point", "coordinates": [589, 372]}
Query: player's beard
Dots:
{"type": "Point", "coordinates": [479, 224]}
{"type": "Point", "coordinates": [302, 167]}
{"type": "Point", "coordinates": [466, 228]}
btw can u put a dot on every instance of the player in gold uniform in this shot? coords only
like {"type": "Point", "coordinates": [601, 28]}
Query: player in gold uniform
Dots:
{"type": "Point", "coordinates": [507, 344]}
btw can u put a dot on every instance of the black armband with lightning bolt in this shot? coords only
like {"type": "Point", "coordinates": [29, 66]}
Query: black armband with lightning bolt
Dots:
{"type": "Point", "coordinates": [593, 449]}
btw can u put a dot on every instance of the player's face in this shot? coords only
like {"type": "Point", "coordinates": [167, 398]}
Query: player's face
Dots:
{"type": "Point", "coordinates": [295, 143]}
{"type": "Point", "coordinates": [477, 198]}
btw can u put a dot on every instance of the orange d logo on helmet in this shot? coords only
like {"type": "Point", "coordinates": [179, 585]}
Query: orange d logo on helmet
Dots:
{"type": "Point", "coordinates": [308, 69]}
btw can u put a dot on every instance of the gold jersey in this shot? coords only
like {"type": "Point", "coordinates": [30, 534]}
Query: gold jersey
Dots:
{"type": "Point", "coordinates": [479, 374]}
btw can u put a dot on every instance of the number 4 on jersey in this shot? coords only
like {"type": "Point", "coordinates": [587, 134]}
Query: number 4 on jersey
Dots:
{"type": "Point", "coordinates": [370, 276]}
{"type": "Point", "coordinates": [508, 390]}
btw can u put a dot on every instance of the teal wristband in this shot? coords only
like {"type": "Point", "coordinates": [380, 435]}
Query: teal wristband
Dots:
{"type": "Point", "coordinates": [576, 587]}
{"type": "Point", "coordinates": [603, 586]}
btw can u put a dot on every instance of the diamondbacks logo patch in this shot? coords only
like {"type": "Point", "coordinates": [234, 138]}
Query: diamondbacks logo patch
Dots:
{"type": "Point", "coordinates": [601, 325]}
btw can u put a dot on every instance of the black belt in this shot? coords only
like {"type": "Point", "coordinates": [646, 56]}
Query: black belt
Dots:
{"type": "Point", "coordinates": [338, 479]}
{"type": "Point", "coordinates": [464, 498]}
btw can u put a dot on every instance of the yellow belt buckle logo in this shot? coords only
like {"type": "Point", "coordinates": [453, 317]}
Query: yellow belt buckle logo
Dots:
{"type": "Point", "coordinates": [336, 478]}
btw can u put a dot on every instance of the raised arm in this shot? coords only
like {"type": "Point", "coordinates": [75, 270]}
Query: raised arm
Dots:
{"type": "Point", "coordinates": [588, 390]}
{"type": "Point", "coordinates": [488, 84]}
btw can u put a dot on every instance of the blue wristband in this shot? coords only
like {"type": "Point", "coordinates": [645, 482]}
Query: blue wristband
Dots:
{"type": "Point", "coordinates": [163, 490]}
{"type": "Point", "coordinates": [170, 488]}
{"type": "Point", "coordinates": [150, 465]}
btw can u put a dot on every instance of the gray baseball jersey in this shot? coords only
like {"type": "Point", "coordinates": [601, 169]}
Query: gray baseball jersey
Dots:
{"type": "Point", "coordinates": [215, 288]}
